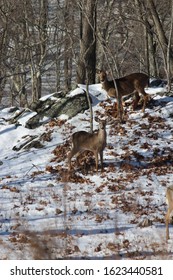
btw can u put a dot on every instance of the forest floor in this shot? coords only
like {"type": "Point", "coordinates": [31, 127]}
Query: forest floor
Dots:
{"type": "Point", "coordinates": [47, 212]}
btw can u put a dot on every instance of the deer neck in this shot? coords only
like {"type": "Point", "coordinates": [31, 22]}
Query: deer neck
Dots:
{"type": "Point", "coordinates": [102, 135]}
{"type": "Point", "coordinates": [106, 85]}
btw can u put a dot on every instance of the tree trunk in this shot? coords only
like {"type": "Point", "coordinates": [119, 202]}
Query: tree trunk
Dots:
{"type": "Point", "coordinates": [68, 19]}
{"type": "Point", "coordinates": [161, 34]}
{"type": "Point", "coordinates": [152, 55]}
{"type": "Point", "coordinates": [87, 57]}
{"type": "Point", "coordinates": [149, 44]}
{"type": "Point", "coordinates": [36, 84]}
{"type": "Point", "coordinates": [168, 62]}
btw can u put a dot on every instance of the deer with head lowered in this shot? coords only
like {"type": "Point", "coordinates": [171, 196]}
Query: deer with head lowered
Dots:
{"type": "Point", "coordinates": [169, 200]}
{"type": "Point", "coordinates": [86, 141]}
{"type": "Point", "coordinates": [134, 83]}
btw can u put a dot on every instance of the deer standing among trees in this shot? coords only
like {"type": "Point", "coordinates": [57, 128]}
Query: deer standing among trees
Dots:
{"type": "Point", "coordinates": [134, 83]}
{"type": "Point", "coordinates": [169, 200]}
{"type": "Point", "coordinates": [85, 141]}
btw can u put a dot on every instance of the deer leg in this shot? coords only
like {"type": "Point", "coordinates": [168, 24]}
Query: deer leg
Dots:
{"type": "Point", "coordinates": [96, 159]}
{"type": "Point", "coordinates": [115, 110]}
{"type": "Point", "coordinates": [101, 160]}
{"type": "Point", "coordinates": [135, 102]}
{"type": "Point", "coordinates": [145, 102]}
{"type": "Point", "coordinates": [70, 155]}
{"type": "Point", "coordinates": [77, 157]}
{"type": "Point", "coordinates": [167, 224]}
{"type": "Point", "coordinates": [145, 97]}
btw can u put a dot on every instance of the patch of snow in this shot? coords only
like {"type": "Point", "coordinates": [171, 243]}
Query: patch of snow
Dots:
{"type": "Point", "coordinates": [87, 214]}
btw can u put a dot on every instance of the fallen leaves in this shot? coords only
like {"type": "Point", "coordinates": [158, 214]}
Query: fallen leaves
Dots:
{"type": "Point", "coordinates": [113, 246]}
{"type": "Point", "coordinates": [18, 238]}
{"type": "Point", "coordinates": [56, 122]}
{"type": "Point", "coordinates": [60, 152]}
{"type": "Point", "coordinates": [11, 189]}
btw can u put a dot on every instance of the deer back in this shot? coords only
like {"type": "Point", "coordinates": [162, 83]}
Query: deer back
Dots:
{"type": "Point", "coordinates": [125, 85]}
{"type": "Point", "coordinates": [132, 82]}
{"type": "Point", "coordinates": [83, 140]}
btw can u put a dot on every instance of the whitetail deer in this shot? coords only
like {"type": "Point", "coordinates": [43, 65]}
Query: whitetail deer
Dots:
{"type": "Point", "coordinates": [85, 141]}
{"type": "Point", "coordinates": [169, 200]}
{"type": "Point", "coordinates": [133, 83]}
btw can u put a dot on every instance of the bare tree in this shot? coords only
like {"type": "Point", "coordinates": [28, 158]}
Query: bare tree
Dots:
{"type": "Point", "coordinates": [4, 40]}
{"type": "Point", "coordinates": [69, 30]}
{"type": "Point", "coordinates": [50, 45]}
{"type": "Point", "coordinates": [163, 41]}
{"type": "Point", "coordinates": [168, 65]}
{"type": "Point", "coordinates": [36, 37]}
{"type": "Point", "coordinates": [87, 56]}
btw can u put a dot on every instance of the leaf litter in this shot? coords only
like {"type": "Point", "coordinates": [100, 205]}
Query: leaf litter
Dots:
{"type": "Point", "coordinates": [48, 212]}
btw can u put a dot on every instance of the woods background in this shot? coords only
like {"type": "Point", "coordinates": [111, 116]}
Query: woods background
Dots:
{"type": "Point", "coordinates": [51, 45]}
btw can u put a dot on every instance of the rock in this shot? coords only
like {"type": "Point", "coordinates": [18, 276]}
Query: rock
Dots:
{"type": "Point", "coordinates": [33, 141]}
{"type": "Point", "coordinates": [34, 144]}
{"type": "Point", "coordinates": [56, 106]}
{"type": "Point", "coordinates": [158, 83]}
{"type": "Point", "coordinates": [13, 109]}
{"type": "Point", "coordinates": [24, 142]}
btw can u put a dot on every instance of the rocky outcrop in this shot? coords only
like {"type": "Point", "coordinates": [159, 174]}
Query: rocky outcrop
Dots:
{"type": "Point", "coordinates": [55, 106]}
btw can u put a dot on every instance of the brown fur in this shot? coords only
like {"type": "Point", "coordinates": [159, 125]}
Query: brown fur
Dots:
{"type": "Point", "coordinates": [133, 83]}
{"type": "Point", "coordinates": [169, 198]}
{"type": "Point", "coordinates": [85, 141]}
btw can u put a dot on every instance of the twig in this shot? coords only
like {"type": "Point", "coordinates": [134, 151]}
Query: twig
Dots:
{"type": "Point", "coordinates": [33, 166]}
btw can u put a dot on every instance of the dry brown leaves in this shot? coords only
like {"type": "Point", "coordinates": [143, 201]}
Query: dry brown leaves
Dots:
{"type": "Point", "coordinates": [11, 189]}
{"type": "Point", "coordinates": [56, 122]}
{"type": "Point", "coordinates": [46, 136]}
{"type": "Point", "coordinates": [60, 152]}
{"type": "Point", "coordinates": [18, 237]}
{"type": "Point", "coordinates": [63, 175]}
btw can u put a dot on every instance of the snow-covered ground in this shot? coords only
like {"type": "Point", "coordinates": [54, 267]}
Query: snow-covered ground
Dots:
{"type": "Point", "coordinates": [48, 213]}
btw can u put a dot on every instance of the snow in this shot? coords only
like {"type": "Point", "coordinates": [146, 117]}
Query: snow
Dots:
{"type": "Point", "coordinates": [155, 90]}
{"type": "Point", "coordinates": [47, 213]}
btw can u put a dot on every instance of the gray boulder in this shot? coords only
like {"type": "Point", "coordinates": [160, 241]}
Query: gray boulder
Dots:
{"type": "Point", "coordinates": [55, 106]}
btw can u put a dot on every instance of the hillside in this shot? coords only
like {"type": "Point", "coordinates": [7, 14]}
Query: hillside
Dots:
{"type": "Point", "coordinates": [49, 213]}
